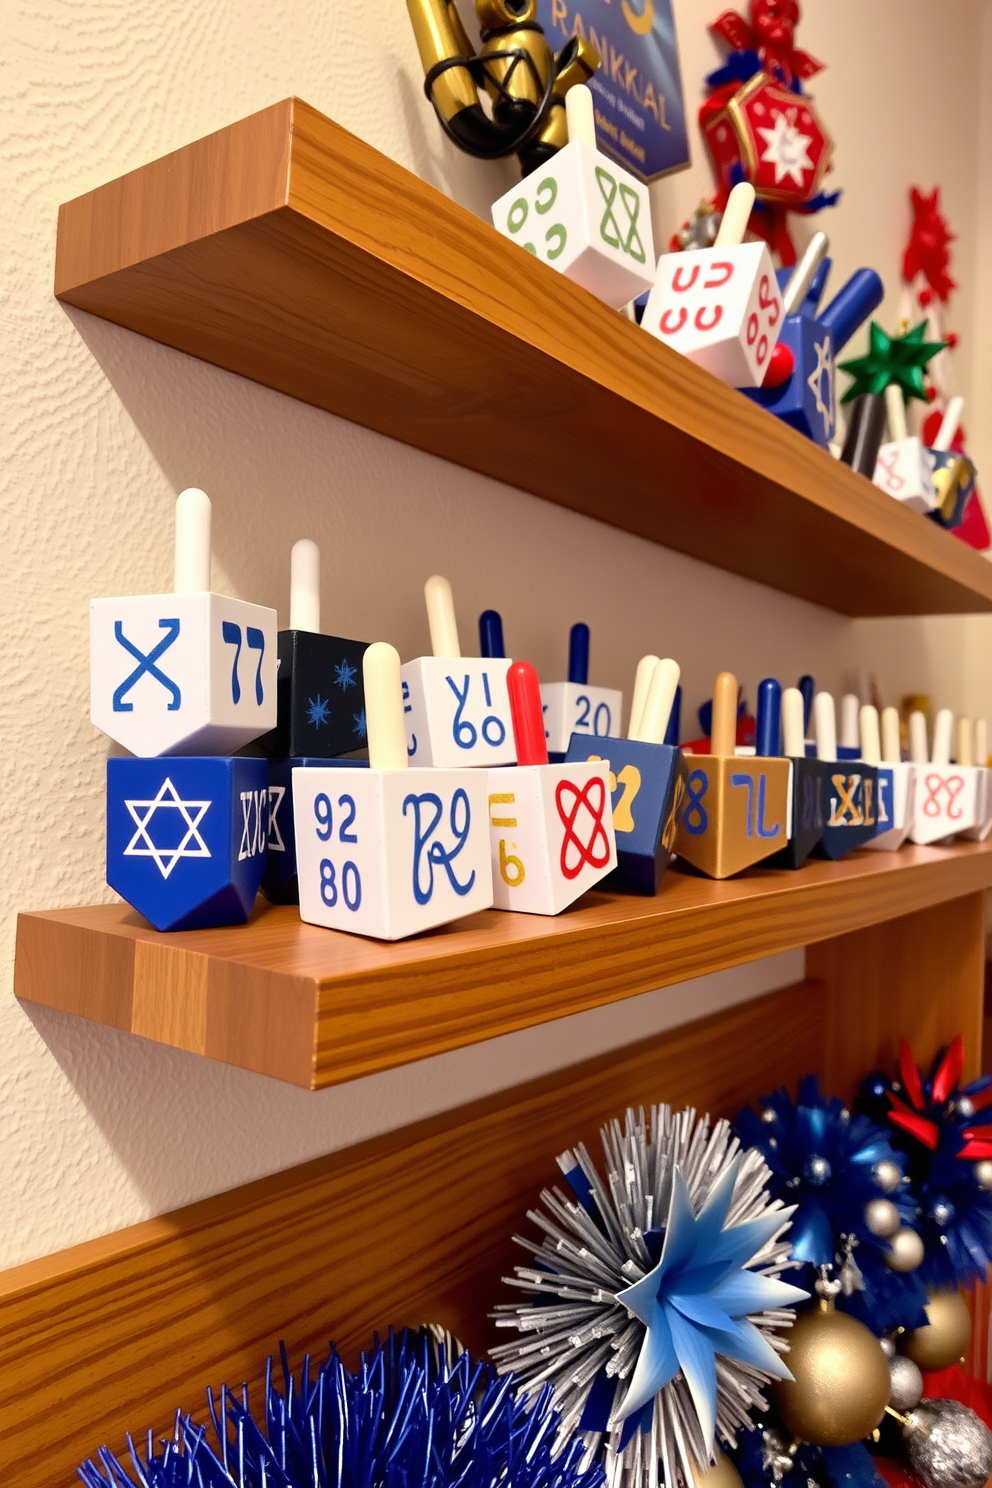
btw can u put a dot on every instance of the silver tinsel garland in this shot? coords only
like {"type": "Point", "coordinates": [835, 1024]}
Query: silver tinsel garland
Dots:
{"type": "Point", "coordinates": [574, 1329]}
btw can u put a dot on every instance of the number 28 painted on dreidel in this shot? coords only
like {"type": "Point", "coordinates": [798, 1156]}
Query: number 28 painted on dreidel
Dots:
{"type": "Point", "coordinates": [696, 819]}
{"type": "Point", "coordinates": [350, 878]}
{"type": "Point", "coordinates": [936, 786]}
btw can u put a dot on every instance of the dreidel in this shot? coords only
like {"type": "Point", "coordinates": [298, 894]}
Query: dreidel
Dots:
{"type": "Point", "coordinates": [809, 778]}
{"type": "Point", "coordinates": [279, 882]}
{"type": "Point", "coordinates": [946, 794]}
{"type": "Point", "coordinates": [551, 825]}
{"type": "Point", "coordinates": [583, 214]}
{"type": "Point", "coordinates": [321, 708]}
{"type": "Point", "coordinates": [188, 673]}
{"type": "Point", "coordinates": [735, 810]}
{"type": "Point", "coordinates": [646, 781]}
{"type": "Point", "coordinates": [904, 467]}
{"type": "Point", "coordinates": [953, 472]}
{"type": "Point", "coordinates": [896, 790]}
{"type": "Point", "coordinates": [974, 743]}
{"type": "Point", "coordinates": [457, 709]}
{"type": "Point", "coordinates": [389, 850]}
{"type": "Point", "coordinates": [721, 307]}
{"type": "Point", "coordinates": [851, 786]}
{"type": "Point", "coordinates": [573, 707]}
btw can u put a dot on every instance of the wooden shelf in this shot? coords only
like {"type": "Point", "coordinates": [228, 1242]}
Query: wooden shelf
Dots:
{"type": "Point", "coordinates": [286, 250]}
{"type": "Point", "coordinates": [316, 1007]}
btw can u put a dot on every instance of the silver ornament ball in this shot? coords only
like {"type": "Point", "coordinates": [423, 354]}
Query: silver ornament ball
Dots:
{"type": "Point", "coordinates": [965, 1107]}
{"type": "Point", "coordinates": [888, 1176]}
{"type": "Point", "coordinates": [942, 1213]}
{"type": "Point", "coordinates": [907, 1384]}
{"type": "Point", "coordinates": [983, 1174]}
{"type": "Point", "coordinates": [888, 1347]}
{"type": "Point", "coordinates": [817, 1171]}
{"type": "Point", "coordinates": [948, 1446]}
{"type": "Point", "coordinates": [905, 1252]}
{"type": "Point", "coordinates": [882, 1217]}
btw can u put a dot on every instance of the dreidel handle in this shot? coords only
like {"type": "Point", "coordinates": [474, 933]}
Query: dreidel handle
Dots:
{"type": "Point", "coordinates": [384, 707]}
{"type": "Point", "coordinates": [659, 701]}
{"type": "Point", "coordinates": [949, 426]}
{"type": "Point", "coordinates": [527, 713]}
{"type": "Point", "coordinates": [825, 720]}
{"type": "Point", "coordinates": [491, 634]}
{"type": "Point", "coordinates": [736, 216]}
{"type": "Point", "coordinates": [723, 730]}
{"type": "Point", "coordinates": [965, 742]}
{"type": "Point", "coordinates": [895, 407]}
{"type": "Point", "coordinates": [850, 711]}
{"type": "Point", "coordinates": [807, 687]}
{"type": "Point", "coordinates": [192, 560]}
{"type": "Point", "coordinates": [981, 741]}
{"type": "Point", "coordinates": [304, 586]}
{"type": "Point", "coordinates": [642, 684]}
{"type": "Point", "coordinates": [801, 279]}
{"type": "Point", "coordinates": [578, 653]}
{"type": "Point", "coordinates": [918, 749]}
{"type": "Point", "coordinates": [769, 720]}
{"type": "Point", "coordinates": [943, 729]}
{"type": "Point", "coordinates": [891, 741]}
{"type": "Point", "coordinates": [580, 115]}
{"type": "Point", "coordinates": [794, 723]}
{"type": "Point", "coordinates": [441, 618]}
{"type": "Point", "coordinates": [871, 739]}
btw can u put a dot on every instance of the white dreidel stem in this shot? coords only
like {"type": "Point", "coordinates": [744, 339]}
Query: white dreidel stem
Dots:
{"type": "Point", "coordinates": [580, 116]}
{"type": "Point", "coordinates": [793, 723]}
{"type": "Point", "coordinates": [891, 737]}
{"type": "Point", "coordinates": [192, 570]}
{"type": "Point", "coordinates": [871, 739]}
{"type": "Point", "coordinates": [825, 727]}
{"type": "Point", "coordinates": [895, 407]}
{"type": "Point", "coordinates": [642, 681]}
{"type": "Point", "coordinates": [850, 710]}
{"type": "Point", "coordinates": [943, 729]}
{"type": "Point", "coordinates": [981, 741]}
{"type": "Point", "coordinates": [658, 703]}
{"type": "Point", "coordinates": [304, 586]}
{"type": "Point", "coordinates": [384, 707]}
{"type": "Point", "coordinates": [949, 426]}
{"type": "Point", "coordinates": [918, 750]}
{"type": "Point", "coordinates": [736, 214]}
{"type": "Point", "coordinates": [965, 742]}
{"type": "Point", "coordinates": [441, 618]}
{"type": "Point", "coordinates": [802, 276]}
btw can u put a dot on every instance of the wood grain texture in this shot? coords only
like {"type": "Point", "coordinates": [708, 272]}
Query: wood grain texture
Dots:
{"type": "Point", "coordinates": [290, 252]}
{"type": "Point", "coordinates": [317, 1007]}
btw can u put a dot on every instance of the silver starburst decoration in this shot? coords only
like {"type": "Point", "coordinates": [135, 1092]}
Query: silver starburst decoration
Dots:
{"type": "Point", "coordinates": [656, 1296]}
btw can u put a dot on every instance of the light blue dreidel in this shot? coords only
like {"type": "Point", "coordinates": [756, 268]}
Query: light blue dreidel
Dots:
{"type": "Point", "coordinates": [946, 794]}
{"type": "Point", "coordinates": [573, 707]}
{"type": "Point", "coordinates": [186, 837]}
{"type": "Point", "coordinates": [975, 751]}
{"type": "Point", "coordinates": [647, 779]}
{"type": "Point", "coordinates": [896, 779]}
{"type": "Point", "coordinates": [184, 673]}
{"type": "Point", "coordinates": [389, 850]}
{"type": "Point", "coordinates": [279, 883]}
{"type": "Point", "coordinates": [852, 819]}
{"type": "Point", "coordinates": [780, 729]}
{"type": "Point", "coordinates": [457, 709]}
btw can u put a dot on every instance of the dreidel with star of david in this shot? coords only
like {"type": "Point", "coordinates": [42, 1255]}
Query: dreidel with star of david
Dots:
{"type": "Point", "coordinates": [973, 749]}
{"type": "Point", "coordinates": [186, 837]}
{"type": "Point", "coordinates": [946, 794]}
{"type": "Point", "coordinates": [184, 673]}
{"type": "Point", "coordinates": [321, 694]}
{"type": "Point", "coordinates": [583, 214]}
{"type": "Point", "coordinates": [647, 779]}
{"type": "Point", "coordinates": [389, 850]}
{"type": "Point", "coordinates": [736, 809]}
{"type": "Point", "coordinates": [852, 789]}
{"type": "Point", "coordinates": [721, 307]}
{"type": "Point", "coordinates": [573, 707]}
{"type": "Point", "coordinates": [457, 709]}
{"type": "Point", "coordinates": [551, 826]}
{"type": "Point", "coordinates": [896, 791]}
{"type": "Point", "coordinates": [784, 713]}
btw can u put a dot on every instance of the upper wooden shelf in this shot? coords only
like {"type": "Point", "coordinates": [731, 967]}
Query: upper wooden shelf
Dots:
{"type": "Point", "coordinates": [286, 250]}
{"type": "Point", "coordinates": [317, 1007]}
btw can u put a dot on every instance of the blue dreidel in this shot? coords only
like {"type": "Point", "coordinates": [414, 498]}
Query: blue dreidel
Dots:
{"type": "Point", "coordinates": [953, 473]}
{"type": "Point", "coordinates": [896, 779]}
{"type": "Point", "coordinates": [978, 756]}
{"type": "Point", "coordinates": [184, 673]}
{"type": "Point", "coordinates": [389, 850]}
{"type": "Point", "coordinates": [809, 795]}
{"type": "Point", "coordinates": [946, 794]}
{"type": "Point", "coordinates": [852, 788]}
{"type": "Point", "coordinates": [573, 707]}
{"type": "Point", "coordinates": [457, 709]}
{"type": "Point", "coordinates": [647, 780]}
{"type": "Point", "coordinates": [849, 742]}
{"type": "Point", "coordinates": [321, 693]}
{"type": "Point", "coordinates": [186, 837]}
{"type": "Point", "coordinates": [279, 882]}
{"type": "Point", "coordinates": [491, 635]}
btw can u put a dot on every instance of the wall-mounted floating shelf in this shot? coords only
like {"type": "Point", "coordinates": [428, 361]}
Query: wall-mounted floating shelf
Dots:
{"type": "Point", "coordinates": [287, 250]}
{"type": "Point", "coordinates": [316, 1007]}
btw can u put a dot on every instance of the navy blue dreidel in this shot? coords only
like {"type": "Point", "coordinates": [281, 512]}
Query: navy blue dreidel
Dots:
{"type": "Point", "coordinates": [647, 779]}
{"type": "Point", "coordinates": [491, 635]}
{"type": "Point", "coordinates": [808, 815]}
{"type": "Point", "coordinates": [573, 707]}
{"type": "Point", "coordinates": [852, 789]}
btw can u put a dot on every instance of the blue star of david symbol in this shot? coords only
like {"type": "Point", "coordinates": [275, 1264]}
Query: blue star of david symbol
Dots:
{"type": "Point", "coordinates": [361, 728]}
{"type": "Point", "coordinates": [823, 372]}
{"type": "Point", "coordinates": [191, 814]}
{"type": "Point", "coordinates": [318, 711]}
{"type": "Point", "coordinates": [344, 675]}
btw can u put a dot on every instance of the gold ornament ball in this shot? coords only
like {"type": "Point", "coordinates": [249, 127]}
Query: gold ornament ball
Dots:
{"type": "Point", "coordinates": [841, 1380]}
{"type": "Point", "coordinates": [983, 1174]}
{"type": "Point", "coordinates": [905, 1251]}
{"type": "Point", "coordinates": [945, 1338]}
{"type": "Point", "coordinates": [720, 1474]}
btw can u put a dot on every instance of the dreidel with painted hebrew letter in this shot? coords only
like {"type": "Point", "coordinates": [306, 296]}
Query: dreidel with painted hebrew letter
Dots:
{"type": "Point", "coordinates": [946, 794]}
{"type": "Point", "coordinates": [896, 790]}
{"type": "Point", "coordinates": [184, 673]}
{"type": "Point", "coordinates": [973, 749]}
{"type": "Point", "coordinates": [457, 709]}
{"type": "Point", "coordinates": [735, 810]}
{"type": "Point", "coordinates": [904, 468]}
{"type": "Point", "coordinates": [551, 826]}
{"type": "Point", "coordinates": [186, 837]}
{"type": "Point", "coordinates": [573, 707]}
{"type": "Point", "coordinates": [321, 695]}
{"type": "Point", "coordinates": [583, 214]}
{"type": "Point", "coordinates": [809, 793]}
{"type": "Point", "coordinates": [389, 850]}
{"type": "Point", "coordinates": [647, 779]}
{"type": "Point", "coordinates": [852, 820]}
{"type": "Point", "coordinates": [721, 307]}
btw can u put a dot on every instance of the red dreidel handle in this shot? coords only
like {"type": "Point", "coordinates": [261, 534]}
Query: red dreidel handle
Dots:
{"type": "Point", "coordinates": [527, 713]}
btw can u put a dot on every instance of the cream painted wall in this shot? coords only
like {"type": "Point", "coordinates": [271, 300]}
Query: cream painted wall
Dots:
{"type": "Point", "coordinates": [100, 429]}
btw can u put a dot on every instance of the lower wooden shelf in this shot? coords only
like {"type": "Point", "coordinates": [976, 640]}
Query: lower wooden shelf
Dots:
{"type": "Point", "coordinates": [316, 1008]}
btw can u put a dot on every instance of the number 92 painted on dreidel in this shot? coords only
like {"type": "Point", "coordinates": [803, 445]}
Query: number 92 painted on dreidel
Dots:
{"type": "Point", "coordinates": [388, 851]}
{"type": "Point", "coordinates": [736, 809]}
{"type": "Point", "coordinates": [852, 789]}
{"type": "Point", "coordinates": [647, 779]}
{"type": "Point", "coordinates": [573, 707]}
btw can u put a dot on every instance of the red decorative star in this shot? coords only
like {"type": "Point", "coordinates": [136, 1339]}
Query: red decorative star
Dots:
{"type": "Point", "coordinates": [927, 252]}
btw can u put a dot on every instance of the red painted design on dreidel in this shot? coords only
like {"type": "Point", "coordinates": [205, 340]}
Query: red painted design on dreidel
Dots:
{"type": "Point", "coordinates": [527, 713]}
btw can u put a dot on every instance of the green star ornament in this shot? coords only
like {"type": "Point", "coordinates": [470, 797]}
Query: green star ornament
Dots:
{"type": "Point", "coordinates": [892, 359]}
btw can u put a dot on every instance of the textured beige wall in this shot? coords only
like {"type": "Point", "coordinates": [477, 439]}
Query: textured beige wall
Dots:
{"type": "Point", "coordinates": [100, 429]}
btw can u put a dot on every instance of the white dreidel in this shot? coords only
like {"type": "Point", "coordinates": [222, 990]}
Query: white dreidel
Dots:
{"type": "Point", "coordinates": [190, 672]}
{"type": "Point", "coordinates": [573, 707]}
{"type": "Point", "coordinates": [721, 307]}
{"type": "Point", "coordinates": [551, 825]}
{"type": "Point", "coordinates": [973, 751]}
{"type": "Point", "coordinates": [389, 851]}
{"type": "Point", "coordinates": [904, 467]}
{"type": "Point", "coordinates": [946, 794]}
{"type": "Point", "coordinates": [896, 779]}
{"type": "Point", "coordinates": [583, 214]}
{"type": "Point", "coordinates": [457, 709]}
